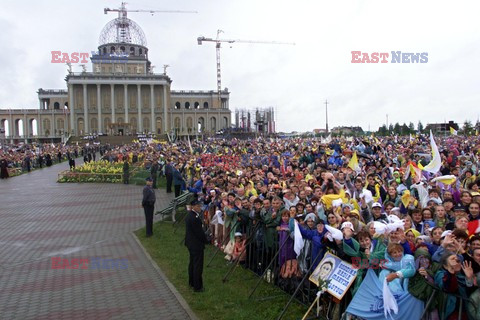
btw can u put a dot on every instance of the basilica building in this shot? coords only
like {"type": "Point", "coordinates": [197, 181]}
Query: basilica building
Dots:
{"type": "Point", "coordinates": [120, 96]}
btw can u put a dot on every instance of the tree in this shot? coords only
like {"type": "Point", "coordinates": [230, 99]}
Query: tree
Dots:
{"type": "Point", "coordinates": [411, 127]}
{"type": "Point", "coordinates": [382, 131]}
{"type": "Point", "coordinates": [390, 128]}
{"type": "Point", "coordinates": [396, 128]}
{"type": "Point", "coordinates": [467, 127]}
{"type": "Point", "coordinates": [420, 127]}
{"type": "Point", "coordinates": [404, 129]}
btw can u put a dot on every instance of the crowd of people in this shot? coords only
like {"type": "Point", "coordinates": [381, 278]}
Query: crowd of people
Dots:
{"type": "Point", "coordinates": [406, 209]}
{"type": "Point", "coordinates": [27, 157]}
{"type": "Point", "coordinates": [390, 205]}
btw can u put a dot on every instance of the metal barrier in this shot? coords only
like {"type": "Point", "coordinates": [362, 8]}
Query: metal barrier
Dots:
{"type": "Point", "coordinates": [437, 290]}
{"type": "Point", "coordinates": [180, 201]}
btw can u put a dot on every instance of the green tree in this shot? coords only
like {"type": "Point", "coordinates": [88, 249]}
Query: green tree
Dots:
{"type": "Point", "coordinates": [411, 127]}
{"type": "Point", "coordinates": [467, 127]}
{"type": "Point", "coordinates": [420, 126]}
{"type": "Point", "coordinates": [390, 129]}
{"type": "Point", "coordinates": [404, 130]}
{"type": "Point", "coordinates": [382, 131]}
{"type": "Point", "coordinates": [396, 128]}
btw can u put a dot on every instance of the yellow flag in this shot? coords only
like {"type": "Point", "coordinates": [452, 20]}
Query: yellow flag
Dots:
{"type": "Point", "coordinates": [406, 198]}
{"type": "Point", "coordinates": [453, 131]}
{"type": "Point", "coordinates": [353, 163]}
{"type": "Point", "coordinates": [448, 180]}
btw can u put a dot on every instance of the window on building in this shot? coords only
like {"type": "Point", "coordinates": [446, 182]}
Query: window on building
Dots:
{"type": "Point", "coordinates": [177, 105]}
{"type": "Point", "coordinates": [205, 105]}
{"type": "Point", "coordinates": [187, 105]}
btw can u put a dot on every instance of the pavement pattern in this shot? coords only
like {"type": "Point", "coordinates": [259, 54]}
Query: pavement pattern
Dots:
{"type": "Point", "coordinates": [41, 220]}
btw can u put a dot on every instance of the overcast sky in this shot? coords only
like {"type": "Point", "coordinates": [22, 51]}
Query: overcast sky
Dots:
{"type": "Point", "coordinates": [296, 80]}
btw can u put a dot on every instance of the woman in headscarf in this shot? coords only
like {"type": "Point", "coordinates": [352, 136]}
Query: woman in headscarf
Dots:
{"type": "Point", "coordinates": [451, 280]}
{"type": "Point", "coordinates": [419, 285]}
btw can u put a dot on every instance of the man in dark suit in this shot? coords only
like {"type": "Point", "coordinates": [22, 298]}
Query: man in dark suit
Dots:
{"type": "Point", "coordinates": [195, 240]}
{"type": "Point", "coordinates": [148, 204]}
{"type": "Point", "coordinates": [177, 180]}
{"type": "Point", "coordinates": [169, 175]}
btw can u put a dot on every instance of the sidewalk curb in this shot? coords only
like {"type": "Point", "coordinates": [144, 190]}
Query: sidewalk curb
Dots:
{"type": "Point", "coordinates": [172, 288]}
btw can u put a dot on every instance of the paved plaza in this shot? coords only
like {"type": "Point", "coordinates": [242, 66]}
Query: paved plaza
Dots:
{"type": "Point", "coordinates": [41, 219]}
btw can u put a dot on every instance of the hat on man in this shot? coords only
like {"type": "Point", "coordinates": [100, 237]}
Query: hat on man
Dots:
{"type": "Point", "coordinates": [459, 207]}
{"type": "Point", "coordinates": [238, 234]}
{"type": "Point", "coordinates": [149, 179]}
{"type": "Point", "coordinates": [195, 201]}
{"type": "Point", "coordinates": [347, 224]}
{"type": "Point", "coordinates": [376, 205]}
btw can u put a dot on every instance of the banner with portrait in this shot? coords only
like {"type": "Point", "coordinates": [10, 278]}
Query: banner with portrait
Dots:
{"type": "Point", "coordinates": [339, 273]}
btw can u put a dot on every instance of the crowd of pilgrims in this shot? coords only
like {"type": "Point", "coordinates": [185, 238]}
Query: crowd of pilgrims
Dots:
{"type": "Point", "coordinates": [419, 233]}
{"type": "Point", "coordinates": [28, 157]}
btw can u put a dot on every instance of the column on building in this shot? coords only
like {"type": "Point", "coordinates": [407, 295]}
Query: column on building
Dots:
{"type": "Point", "coordinates": [153, 121]}
{"type": "Point", "coordinates": [85, 110]}
{"type": "Point", "coordinates": [11, 127]}
{"type": "Point", "coordinates": [125, 99]}
{"type": "Point", "coordinates": [41, 103]}
{"type": "Point", "coordinates": [139, 107]}
{"type": "Point", "coordinates": [54, 125]}
{"type": "Point", "coordinates": [71, 109]}
{"type": "Point", "coordinates": [25, 126]}
{"type": "Point", "coordinates": [99, 109]}
{"type": "Point", "coordinates": [165, 115]}
{"type": "Point", "coordinates": [112, 102]}
{"type": "Point", "coordinates": [39, 121]}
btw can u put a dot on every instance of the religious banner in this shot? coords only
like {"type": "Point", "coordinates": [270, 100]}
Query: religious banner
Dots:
{"type": "Point", "coordinates": [368, 302]}
{"type": "Point", "coordinates": [339, 274]}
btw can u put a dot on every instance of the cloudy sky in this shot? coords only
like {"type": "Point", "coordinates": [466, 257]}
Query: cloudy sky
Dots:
{"type": "Point", "coordinates": [296, 80]}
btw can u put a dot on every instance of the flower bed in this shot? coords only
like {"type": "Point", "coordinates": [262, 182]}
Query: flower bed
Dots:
{"type": "Point", "coordinates": [98, 171]}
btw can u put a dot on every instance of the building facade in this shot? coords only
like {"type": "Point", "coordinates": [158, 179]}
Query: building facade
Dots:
{"type": "Point", "coordinates": [120, 96]}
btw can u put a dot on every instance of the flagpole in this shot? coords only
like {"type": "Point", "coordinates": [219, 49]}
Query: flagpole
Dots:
{"type": "Point", "coordinates": [445, 131]}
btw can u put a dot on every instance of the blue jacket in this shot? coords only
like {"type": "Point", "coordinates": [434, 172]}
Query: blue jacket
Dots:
{"type": "Point", "coordinates": [318, 248]}
{"type": "Point", "coordinates": [197, 187]}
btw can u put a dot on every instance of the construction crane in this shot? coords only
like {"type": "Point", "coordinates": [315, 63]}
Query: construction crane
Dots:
{"type": "Point", "coordinates": [218, 43]}
{"type": "Point", "coordinates": [126, 30]}
{"type": "Point", "coordinates": [122, 11]}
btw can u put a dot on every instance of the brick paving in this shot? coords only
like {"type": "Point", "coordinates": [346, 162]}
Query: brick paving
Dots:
{"type": "Point", "coordinates": [41, 219]}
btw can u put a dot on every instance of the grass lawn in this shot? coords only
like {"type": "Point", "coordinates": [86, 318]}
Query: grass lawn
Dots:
{"type": "Point", "coordinates": [139, 179]}
{"type": "Point", "coordinates": [220, 300]}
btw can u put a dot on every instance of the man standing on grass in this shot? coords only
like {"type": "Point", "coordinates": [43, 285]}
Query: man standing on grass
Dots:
{"type": "Point", "coordinates": [169, 175]}
{"type": "Point", "coordinates": [195, 240]}
{"type": "Point", "coordinates": [148, 204]}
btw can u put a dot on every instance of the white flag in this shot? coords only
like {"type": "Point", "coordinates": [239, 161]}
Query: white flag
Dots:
{"type": "Point", "coordinates": [436, 163]}
{"type": "Point", "coordinates": [389, 302]}
{"type": "Point", "coordinates": [298, 240]}
{"type": "Point", "coordinates": [336, 234]}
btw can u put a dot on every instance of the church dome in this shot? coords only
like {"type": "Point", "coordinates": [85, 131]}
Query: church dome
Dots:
{"type": "Point", "coordinates": [122, 30]}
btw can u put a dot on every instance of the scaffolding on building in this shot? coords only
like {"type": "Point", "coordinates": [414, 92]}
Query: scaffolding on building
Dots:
{"type": "Point", "coordinates": [258, 120]}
